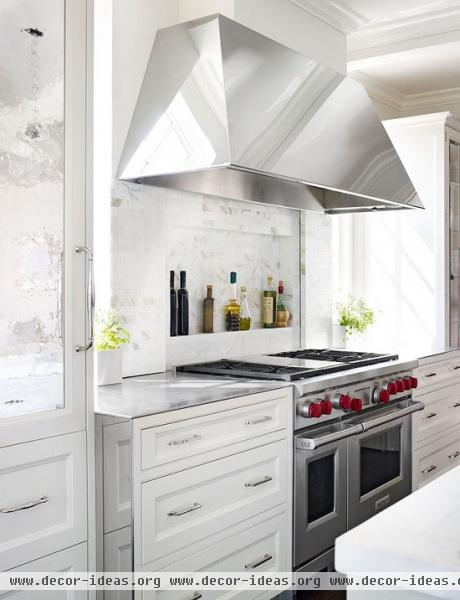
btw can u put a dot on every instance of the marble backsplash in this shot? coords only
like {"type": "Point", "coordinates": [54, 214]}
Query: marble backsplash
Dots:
{"type": "Point", "coordinates": [157, 230]}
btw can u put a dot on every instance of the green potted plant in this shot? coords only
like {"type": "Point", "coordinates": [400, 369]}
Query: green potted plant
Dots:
{"type": "Point", "coordinates": [354, 317]}
{"type": "Point", "coordinates": [110, 337]}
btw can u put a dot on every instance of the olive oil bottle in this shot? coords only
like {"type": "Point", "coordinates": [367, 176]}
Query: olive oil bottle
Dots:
{"type": "Point", "coordinates": [232, 308]}
{"type": "Point", "coordinates": [208, 311]}
{"type": "Point", "coordinates": [245, 315]}
{"type": "Point", "coordinates": [269, 305]}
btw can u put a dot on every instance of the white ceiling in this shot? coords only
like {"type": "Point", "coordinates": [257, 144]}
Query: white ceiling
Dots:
{"type": "Point", "coordinates": [374, 10]}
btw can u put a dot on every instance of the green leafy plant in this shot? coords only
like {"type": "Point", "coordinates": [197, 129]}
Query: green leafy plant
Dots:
{"type": "Point", "coordinates": [355, 315]}
{"type": "Point", "coordinates": [110, 334]}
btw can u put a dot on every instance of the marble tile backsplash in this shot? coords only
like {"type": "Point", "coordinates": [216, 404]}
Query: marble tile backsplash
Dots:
{"type": "Point", "coordinates": [156, 230]}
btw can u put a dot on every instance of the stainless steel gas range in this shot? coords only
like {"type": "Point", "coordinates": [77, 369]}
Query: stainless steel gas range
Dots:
{"type": "Point", "coordinates": [352, 439]}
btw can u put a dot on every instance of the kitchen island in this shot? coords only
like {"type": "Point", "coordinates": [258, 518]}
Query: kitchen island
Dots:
{"type": "Point", "coordinates": [419, 534]}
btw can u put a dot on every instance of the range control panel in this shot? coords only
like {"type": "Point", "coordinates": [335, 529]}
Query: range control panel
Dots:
{"type": "Point", "coordinates": [332, 403]}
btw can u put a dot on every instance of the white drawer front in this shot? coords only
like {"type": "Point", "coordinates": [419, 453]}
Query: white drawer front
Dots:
{"type": "Point", "coordinates": [174, 441]}
{"type": "Point", "coordinates": [180, 509]}
{"type": "Point", "coordinates": [436, 458]}
{"type": "Point", "coordinates": [265, 544]}
{"type": "Point", "coordinates": [117, 476]}
{"type": "Point", "coordinates": [67, 561]}
{"type": "Point", "coordinates": [441, 412]}
{"type": "Point", "coordinates": [51, 473]}
{"type": "Point", "coordinates": [118, 558]}
{"type": "Point", "coordinates": [437, 372]}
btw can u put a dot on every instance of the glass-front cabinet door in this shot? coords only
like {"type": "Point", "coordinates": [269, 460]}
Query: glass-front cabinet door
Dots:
{"type": "Point", "coordinates": [454, 242]}
{"type": "Point", "coordinates": [42, 197]}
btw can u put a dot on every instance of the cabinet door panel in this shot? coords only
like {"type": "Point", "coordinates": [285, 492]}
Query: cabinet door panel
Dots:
{"type": "Point", "coordinates": [42, 305]}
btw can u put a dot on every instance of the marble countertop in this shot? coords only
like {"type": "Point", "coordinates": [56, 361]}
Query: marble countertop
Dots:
{"type": "Point", "coordinates": [163, 392]}
{"type": "Point", "coordinates": [419, 533]}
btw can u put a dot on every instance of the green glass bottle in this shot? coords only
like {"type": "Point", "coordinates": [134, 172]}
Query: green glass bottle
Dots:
{"type": "Point", "coordinates": [269, 305]}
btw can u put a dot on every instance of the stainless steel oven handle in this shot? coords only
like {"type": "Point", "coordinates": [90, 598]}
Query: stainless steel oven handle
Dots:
{"type": "Point", "coordinates": [393, 415]}
{"type": "Point", "coordinates": [312, 443]}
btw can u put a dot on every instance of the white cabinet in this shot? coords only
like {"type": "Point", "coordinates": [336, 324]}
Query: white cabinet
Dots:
{"type": "Point", "coordinates": [210, 489]}
{"type": "Point", "coordinates": [118, 558]}
{"type": "Point", "coordinates": [436, 429]}
{"type": "Point", "coordinates": [43, 498]}
{"type": "Point", "coordinates": [67, 561]}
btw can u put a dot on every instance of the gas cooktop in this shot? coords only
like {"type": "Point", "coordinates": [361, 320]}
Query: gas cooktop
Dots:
{"type": "Point", "coordinates": [289, 366]}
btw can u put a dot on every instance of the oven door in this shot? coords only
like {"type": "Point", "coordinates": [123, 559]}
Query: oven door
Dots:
{"type": "Point", "coordinates": [320, 512]}
{"type": "Point", "coordinates": [379, 468]}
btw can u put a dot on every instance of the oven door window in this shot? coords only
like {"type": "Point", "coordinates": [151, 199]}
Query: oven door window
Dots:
{"type": "Point", "coordinates": [380, 459]}
{"type": "Point", "coordinates": [320, 487]}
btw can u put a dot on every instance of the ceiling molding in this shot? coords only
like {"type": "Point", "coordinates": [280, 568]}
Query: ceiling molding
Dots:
{"type": "Point", "coordinates": [381, 36]}
{"type": "Point", "coordinates": [405, 102]}
{"type": "Point", "coordinates": [335, 13]}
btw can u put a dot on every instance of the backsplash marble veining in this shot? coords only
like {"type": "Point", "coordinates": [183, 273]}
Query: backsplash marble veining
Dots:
{"type": "Point", "coordinates": [157, 230]}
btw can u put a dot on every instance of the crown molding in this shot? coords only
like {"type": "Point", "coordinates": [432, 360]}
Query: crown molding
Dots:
{"type": "Point", "coordinates": [406, 102]}
{"type": "Point", "coordinates": [438, 118]}
{"type": "Point", "coordinates": [335, 13]}
{"type": "Point", "coordinates": [380, 37]}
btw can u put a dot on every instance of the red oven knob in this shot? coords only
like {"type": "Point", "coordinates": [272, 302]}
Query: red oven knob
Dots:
{"type": "Point", "coordinates": [326, 407]}
{"type": "Point", "coordinates": [314, 410]}
{"type": "Point", "coordinates": [413, 382]}
{"type": "Point", "coordinates": [392, 388]}
{"type": "Point", "coordinates": [400, 385]}
{"type": "Point", "coordinates": [407, 383]}
{"type": "Point", "coordinates": [384, 396]}
{"type": "Point", "coordinates": [356, 404]}
{"type": "Point", "coordinates": [342, 401]}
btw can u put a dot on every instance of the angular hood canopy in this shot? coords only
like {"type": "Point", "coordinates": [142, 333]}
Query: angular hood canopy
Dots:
{"type": "Point", "coordinates": [228, 112]}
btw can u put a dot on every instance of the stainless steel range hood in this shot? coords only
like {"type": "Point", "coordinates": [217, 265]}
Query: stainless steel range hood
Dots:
{"type": "Point", "coordinates": [228, 112]}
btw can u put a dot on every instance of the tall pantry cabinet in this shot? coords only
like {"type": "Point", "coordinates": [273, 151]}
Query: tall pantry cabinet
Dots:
{"type": "Point", "coordinates": [46, 300]}
{"type": "Point", "coordinates": [429, 146]}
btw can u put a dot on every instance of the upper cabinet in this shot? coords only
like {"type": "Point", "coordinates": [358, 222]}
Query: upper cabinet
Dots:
{"type": "Point", "coordinates": [454, 236]}
{"type": "Point", "coordinates": [43, 304]}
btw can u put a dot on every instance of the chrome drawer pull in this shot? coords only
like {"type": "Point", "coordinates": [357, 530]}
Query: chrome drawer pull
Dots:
{"type": "Point", "coordinates": [258, 482]}
{"type": "Point", "coordinates": [431, 415]}
{"type": "Point", "coordinates": [184, 510]}
{"type": "Point", "coordinates": [25, 506]}
{"type": "Point", "coordinates": [196, 596]}
{"type": "Point", "coordinates": [431, 375]}
{"type": "Point", "coordinates": [193, 438]}
{"type": "Point", "coordinates": [259, 561]}
{"type": "Point", "coordinates": [456, 367]}
{"type": "Point", "coordinates": [457, 404]}
{"type": "Point", "coordinates": [429, 469]}
{"type": "Point", "coordinates": [454, 455]}
{"type": "Point", "coordinates": [257, 421]}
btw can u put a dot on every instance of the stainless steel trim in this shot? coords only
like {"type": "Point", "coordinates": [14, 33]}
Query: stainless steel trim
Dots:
{"type": "Point", "coordinates": [454, 455]}
{"type": "Point", "coordinates": [258, 421]}
{"type": "Point", "coordinates": [258, 482]}
{"type": "Point", "coordinates": [177, 512]}
{"type": "Point", "coordinates": [25, 506]}
{"type": "Point", "coordinates": [429, 469]}
{"type": "Point", "coordinates": [313, 442]}
{"type": "Point", "coordinates": [253, 564]}
{"type": "Point", "coordinates": [90, 298]}
{"type": "Point", "coordinates": [192, 438]}
{"type": "Point", "coordinates": [393, 415]}
{"type": "Point", "coordinates": [431, 415]}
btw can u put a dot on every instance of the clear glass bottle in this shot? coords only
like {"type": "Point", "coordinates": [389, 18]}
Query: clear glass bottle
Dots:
{"type": "Point", "coordinates": [208, 311]}
{"type": "Point", "coordinates": [269, 305]}
{"type": "Point", "coordinates": [232, 308]}
{"type": "Point", "coordinates": [245, 315]}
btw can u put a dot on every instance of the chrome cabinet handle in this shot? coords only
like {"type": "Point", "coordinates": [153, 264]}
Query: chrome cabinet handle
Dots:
{"type": "Point", "coordinates": [258, 561]}
{"type": "Point", "coordinates": [457, 404]}
{"type": "Point", "coordinates": [454, 455]}
{"type": "Point", "coordinates": [257, 421]}
{"type": "Point", "coordinates": [258, 482]}
{"type": "Point", "coordinates": [184, 510]}
{"type": "Point", "coordinates": [429, 469]}
{"type": "Point", "coordinates": [25, 506]}
{"type": "Point", "coordinates": [431, 415]}
{"type": "Point", "coordinates": [456, 368]}
{"type": "Point", "coordinates": [90, 297]}
{"type": "Point", "coordinates": [431, 375]}
{"type": "Point", "coordinates": [196, 596]}
{"type": "Point", "coordinates": [184, 440]}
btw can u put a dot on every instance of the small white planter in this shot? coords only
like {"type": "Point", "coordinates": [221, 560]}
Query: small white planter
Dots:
{"type": "Point", "coordinates": [109, 366]}
{"type": "Point", "coordinates": [339, 336]}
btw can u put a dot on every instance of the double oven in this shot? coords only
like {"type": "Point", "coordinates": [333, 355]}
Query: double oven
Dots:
{"type": "Point", "coordinates": [346, 471]}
